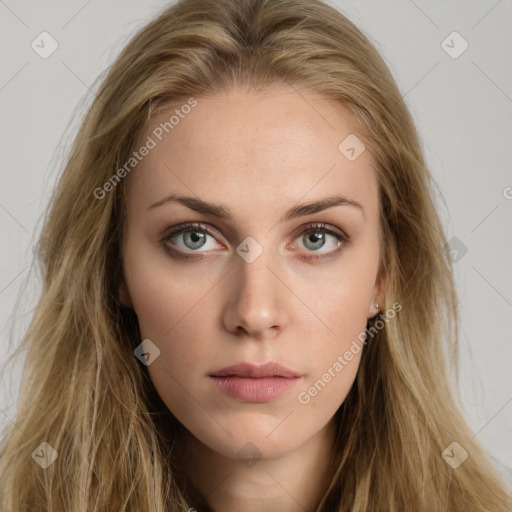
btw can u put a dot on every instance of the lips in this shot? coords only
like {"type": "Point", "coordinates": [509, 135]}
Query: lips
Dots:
{"type": "Point", "coordinates": [250, 370]}
{"type": "Point", "coordinates": [246, 382]}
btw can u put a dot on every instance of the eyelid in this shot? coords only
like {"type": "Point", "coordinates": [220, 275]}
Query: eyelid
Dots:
{"type": "Point", "coordinates": [189, 226]}
{"type": "Point", "coordinates": [322, 226]}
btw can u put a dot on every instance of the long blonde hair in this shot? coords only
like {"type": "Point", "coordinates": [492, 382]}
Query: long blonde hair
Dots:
{"type": "Point", "coordinates": [85, 393]}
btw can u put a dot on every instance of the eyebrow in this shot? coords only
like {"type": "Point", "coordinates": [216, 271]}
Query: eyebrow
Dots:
{"type": "Point", "coordinates": [220, 212]}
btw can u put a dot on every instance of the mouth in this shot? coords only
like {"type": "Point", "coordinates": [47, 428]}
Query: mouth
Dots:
{"type": "Point", "coordinates": [247, 382]}
{"type": "Point", "coordinates": [251, 370]}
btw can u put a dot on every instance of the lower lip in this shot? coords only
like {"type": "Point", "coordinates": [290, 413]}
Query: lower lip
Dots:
{"type": "Point", "coordinates": [250, 389]}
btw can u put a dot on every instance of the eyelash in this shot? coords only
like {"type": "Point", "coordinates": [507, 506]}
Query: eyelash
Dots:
{"type": "Point", "coordinates": [200, 227]}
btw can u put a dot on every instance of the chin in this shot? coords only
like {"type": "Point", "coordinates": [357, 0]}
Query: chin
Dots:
{"type": "Point", "coordinates": [246, 441]}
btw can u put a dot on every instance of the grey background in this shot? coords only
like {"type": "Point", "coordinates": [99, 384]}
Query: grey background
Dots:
{"type": "Point", "coordinates": [462, 107]}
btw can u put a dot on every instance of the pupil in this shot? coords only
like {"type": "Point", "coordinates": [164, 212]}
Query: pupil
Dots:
{"type": "Point", "coordinates": [315, 239]}
{"type": "Point", "coordinates": [195, 239]}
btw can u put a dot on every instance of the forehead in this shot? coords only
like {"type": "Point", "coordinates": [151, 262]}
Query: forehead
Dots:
{"type": "Point", "coordinates": [245, 146]}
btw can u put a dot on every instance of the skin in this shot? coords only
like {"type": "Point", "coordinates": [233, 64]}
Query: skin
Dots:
{"type": "Point", "coordinates": [257, 156]}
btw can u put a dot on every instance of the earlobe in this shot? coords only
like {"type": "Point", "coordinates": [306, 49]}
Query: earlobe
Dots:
{"type": "Point", "coordinates": [379, 292]}
{"type": "Point", "coordinates": [373, 309]}
{"type": "Point", "coordinates": [379, 297]}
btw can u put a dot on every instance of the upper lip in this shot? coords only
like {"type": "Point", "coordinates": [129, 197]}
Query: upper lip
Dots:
{"type": "Point", "coordinates": [270, 369]}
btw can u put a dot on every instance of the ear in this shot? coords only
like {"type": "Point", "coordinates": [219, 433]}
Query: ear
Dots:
{"type": "Point", "coordinates": [378, 294]}
{"type": "Point", "coordinates": [124, 294]}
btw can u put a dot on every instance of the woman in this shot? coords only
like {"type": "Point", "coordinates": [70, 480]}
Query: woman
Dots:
{"type": "Point", "coordinates": [296, 361]}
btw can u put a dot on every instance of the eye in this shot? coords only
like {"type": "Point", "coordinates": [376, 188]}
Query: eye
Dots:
{"type": "Point", "coordinates": [192, 237]}
{"type": "Point", "coordinates": [316, 236]}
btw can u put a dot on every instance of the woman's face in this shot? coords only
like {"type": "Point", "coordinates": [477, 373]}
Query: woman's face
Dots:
{"type": "Point", "coordinates": [261, 285]}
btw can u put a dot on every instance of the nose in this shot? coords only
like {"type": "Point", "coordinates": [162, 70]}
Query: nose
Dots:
{"type": "Point", "coordinates": [259, 301]}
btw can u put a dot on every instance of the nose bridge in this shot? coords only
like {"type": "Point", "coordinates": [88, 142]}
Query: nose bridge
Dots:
{"type": "Point", "coordinates": [257, 302]}
{"type": "Point", "coordinates": [256, 280]}
{"type": "Point", "coordinates": [253, 269]}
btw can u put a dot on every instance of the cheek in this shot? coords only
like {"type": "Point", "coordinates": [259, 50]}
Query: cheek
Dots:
{"type": "Point", "coordinates": [180, 332]}
{"type": "Point", "coordinates": [164, 295]}
{"type": "Point", "coordinates": [336, 334]}
{"type": "Point", "coordinates": [171, 312]}
{"type": "Point", "coordinates": [177, 323]}
{"type": "Point", "coordinates": [334, 353]}
{"type": "Point", "coordinates": [324, 392]}
{"type": "Point", "coordinates": [341, 299]}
